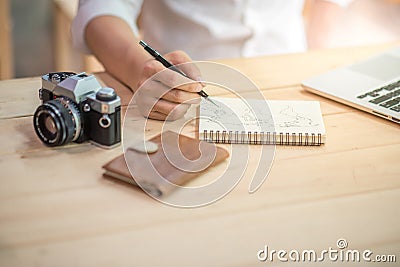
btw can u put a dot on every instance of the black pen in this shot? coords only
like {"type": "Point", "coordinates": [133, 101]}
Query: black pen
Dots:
{"type": "Point", "coordinates": [157, 56]}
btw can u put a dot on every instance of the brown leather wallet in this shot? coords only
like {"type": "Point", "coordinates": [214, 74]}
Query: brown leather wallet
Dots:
{"type": "Point", "coordinates": [178, 160]}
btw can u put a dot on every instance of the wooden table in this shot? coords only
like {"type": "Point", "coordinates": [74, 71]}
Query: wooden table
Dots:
{"type": "Point", "coordinates": [56, 209]}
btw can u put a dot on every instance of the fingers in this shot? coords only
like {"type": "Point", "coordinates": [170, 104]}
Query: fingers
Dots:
{"type": "Point", "coordinates": [171, 109]}
{"type": "Point", "coordinates": [161, 109]}
{"type": "Point", "coordinates": [183, 62]}
{"type": "Point", "coordinates": [162, 117]}
{"type": "Point", "coordinates": [158, 90]}
{"type": "Point", "coordinates": [157, 72]}
{"type": "Point", "coordinates": [157, 116]}
{"type": "Point", "coordinates": [164, 94]}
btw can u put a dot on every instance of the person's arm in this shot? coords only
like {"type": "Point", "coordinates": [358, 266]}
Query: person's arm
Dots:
{"type": "Point", "coordinates": [321, 17]}
{"type": "Point", "coordinates": [112, 41]}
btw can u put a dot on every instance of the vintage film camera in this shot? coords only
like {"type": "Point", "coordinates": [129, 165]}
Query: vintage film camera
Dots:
{"type": "Point", "coordinates": [76, 108]}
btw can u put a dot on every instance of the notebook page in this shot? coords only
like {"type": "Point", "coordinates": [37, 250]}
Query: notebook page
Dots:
{"type": "Point", "coordinates": [253, 115]}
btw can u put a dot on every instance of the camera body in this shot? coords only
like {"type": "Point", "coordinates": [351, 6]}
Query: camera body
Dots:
{"type": "Point", "coordinates": [76, 108]}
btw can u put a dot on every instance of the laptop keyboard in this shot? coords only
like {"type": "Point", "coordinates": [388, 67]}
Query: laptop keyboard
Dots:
{"type": "Point", "coordinates": [387, 96]}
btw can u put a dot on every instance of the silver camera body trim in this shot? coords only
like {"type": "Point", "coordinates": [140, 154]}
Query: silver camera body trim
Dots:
{"type": "Point", "coordinates": [80, 87]}
{"type": "Point", "coordinates": [102, 106]}
{"type": "Point", "coordinates": [75, 87]}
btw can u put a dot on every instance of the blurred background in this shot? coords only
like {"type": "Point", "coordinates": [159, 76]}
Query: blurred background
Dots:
{"type": "Point", "coordinates": [35, 39]}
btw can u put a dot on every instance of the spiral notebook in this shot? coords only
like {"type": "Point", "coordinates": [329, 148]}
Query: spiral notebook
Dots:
{"type": "Point", "coordinates": [254, 121]}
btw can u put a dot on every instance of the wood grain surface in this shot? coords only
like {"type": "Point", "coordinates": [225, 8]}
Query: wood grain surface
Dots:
{"type": "Point", "coordinates": [56, 209]}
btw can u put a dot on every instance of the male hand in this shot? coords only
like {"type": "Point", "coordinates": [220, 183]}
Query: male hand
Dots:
{"type": "Point", "coordinates": [164, 94]}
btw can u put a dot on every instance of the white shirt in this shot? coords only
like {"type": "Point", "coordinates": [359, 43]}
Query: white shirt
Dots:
{"type": "Point", "coordinates": [206, 29]}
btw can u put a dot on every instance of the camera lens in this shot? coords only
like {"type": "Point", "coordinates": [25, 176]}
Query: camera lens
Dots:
{"type": "Point", "coordinates": [57, 122]}
{"type": "Point", "coordinates": [50, 125]}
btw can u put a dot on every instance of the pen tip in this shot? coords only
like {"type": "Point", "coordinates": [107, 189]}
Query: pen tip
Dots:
{"type": "Point", "coordinates": [212, 101]}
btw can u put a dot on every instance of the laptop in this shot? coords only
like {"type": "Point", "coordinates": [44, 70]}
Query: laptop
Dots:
{"type": "Point", "coordinates": [372, 85]}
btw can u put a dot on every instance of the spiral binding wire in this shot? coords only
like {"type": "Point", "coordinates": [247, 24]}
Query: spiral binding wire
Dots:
{"type": "Point", "coordinates": [268, 138]}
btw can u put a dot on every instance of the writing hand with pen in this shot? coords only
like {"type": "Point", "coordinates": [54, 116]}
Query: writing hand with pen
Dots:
{"type": "Point", "coordinates": [164, 91]}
